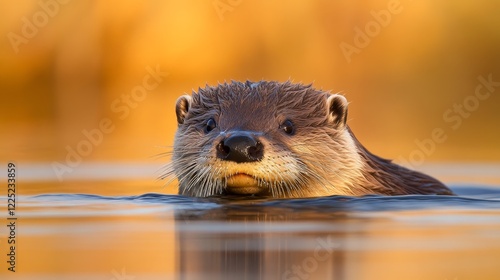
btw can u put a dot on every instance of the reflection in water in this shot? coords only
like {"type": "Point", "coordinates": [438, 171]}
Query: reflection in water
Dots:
{"type": "Point", "coordinates": [259, 242]}
{"type": "Point", "coordinates": [155, 236]}
{"type": "Point", "coordinates": [290, 239]}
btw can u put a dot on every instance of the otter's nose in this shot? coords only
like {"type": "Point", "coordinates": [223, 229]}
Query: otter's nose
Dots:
{"type": "Point", "coordinates": [240, 147]}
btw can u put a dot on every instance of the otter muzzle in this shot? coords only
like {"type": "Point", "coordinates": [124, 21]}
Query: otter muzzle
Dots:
{"type": "Point", "coordinates": [240, 147]}
{"type": "Point", "coordinates": [243, 184]}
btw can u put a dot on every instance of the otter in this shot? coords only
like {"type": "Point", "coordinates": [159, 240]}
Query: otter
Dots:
{"type": "Point", "coordinates": [280, 140]}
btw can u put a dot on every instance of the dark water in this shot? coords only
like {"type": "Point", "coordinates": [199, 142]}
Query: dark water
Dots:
{"type": "Point", "coordinates": [467, 198]}
{"type": "Point", "coordinates": [156, 236]}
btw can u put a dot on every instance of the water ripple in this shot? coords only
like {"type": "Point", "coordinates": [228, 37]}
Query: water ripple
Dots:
{"type": "Point", "coordinates": [467, 198]}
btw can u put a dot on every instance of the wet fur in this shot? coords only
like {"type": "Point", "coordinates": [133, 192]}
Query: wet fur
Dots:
{"type": "Point", "coordinates": [322, 158]}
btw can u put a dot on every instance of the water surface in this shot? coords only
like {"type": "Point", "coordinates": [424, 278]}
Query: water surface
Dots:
{"type": "Point", "coordinates": [158, 236]}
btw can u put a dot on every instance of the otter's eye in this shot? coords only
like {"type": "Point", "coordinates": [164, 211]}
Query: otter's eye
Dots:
{"type": "Point", "coordinates": [288, 127]}
{"type": "Point", "coordinates": [211, 125]}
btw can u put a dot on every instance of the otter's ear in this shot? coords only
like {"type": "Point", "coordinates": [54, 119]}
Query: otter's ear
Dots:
{"type": "Point", "coordinates": [337, 110]}
{"type": "Point", "coordinates": [182, 107]}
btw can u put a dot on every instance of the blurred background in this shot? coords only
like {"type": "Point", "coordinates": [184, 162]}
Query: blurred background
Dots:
{"type": "Point", "coordinates": [96, 81]}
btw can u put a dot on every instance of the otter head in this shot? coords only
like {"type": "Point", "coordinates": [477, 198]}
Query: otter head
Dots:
{"type": "Point", "coordinates": [266, 138]}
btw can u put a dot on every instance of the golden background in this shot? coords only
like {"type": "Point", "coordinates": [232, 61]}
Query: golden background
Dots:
{"type": "Point", "coordinates": [64, 64]}
{"type": "Point", "coordinates": [78, 57]}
